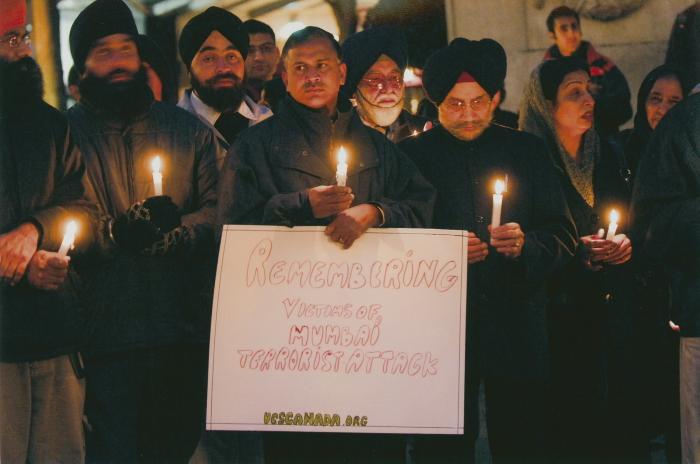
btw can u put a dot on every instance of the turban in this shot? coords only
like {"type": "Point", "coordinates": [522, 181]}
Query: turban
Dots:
{"type": "Point", "coordinates": [363, 49]}
{"type": "Point", "coordinates": [201, 26]}
{"type": "Point", "coordinates": [98, 20]}
{"type": "Point", "coordinates": [483, 60]}
{"type": "Point", "coordinates": [13, 14]}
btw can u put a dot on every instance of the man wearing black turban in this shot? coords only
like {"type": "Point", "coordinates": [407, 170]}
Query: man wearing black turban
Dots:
{"type": "Point", "coordinates": [214, 45]}
{"type": "Point", "coordinates": [508, 264]}
{"type": "Point", "coordinates": [376, 60]}
{"type": "Point", "coordinates": [147, 316]}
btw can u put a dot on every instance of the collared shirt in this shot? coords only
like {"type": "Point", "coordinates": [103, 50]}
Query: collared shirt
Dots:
{"type": "Point", "coordinates": [191, 102]}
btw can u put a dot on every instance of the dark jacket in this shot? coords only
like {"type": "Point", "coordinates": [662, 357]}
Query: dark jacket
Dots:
{"type": "Point", "coordinates": [136, 300]}
{"type": "Point", "coordinates": [506, 298]}
{"type": "Point", "coordinates": [405, 126]}
{"type": "Point", "coordinates": [575, 290]}
{"type": "Point", "coordinates": [612, 101]}
{"type": "Point", "coordinates": [40, 181]}
{"type": "Point", "coordinates": [666, 208]}
{"type": "Point", "coordinates": [272, 165]}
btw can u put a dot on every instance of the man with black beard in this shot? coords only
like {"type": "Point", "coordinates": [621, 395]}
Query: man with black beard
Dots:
{"type": "Point", "coordinates": [376, 59]}
{"type": "Point", "coordinates": [148, 290]}
{"type": "Point", "coordinates": [41, 394]}
{"type": "Point", "coordinates": [214, 45]}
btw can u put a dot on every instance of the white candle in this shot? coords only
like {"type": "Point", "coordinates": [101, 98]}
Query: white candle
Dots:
{"type": "Point", "coordinates": [341, 173]}
{"type": "Point", "coordinates": [612, 228]}
{"type": "Point", "coordinates": [497, 204]}
{"type": "Point", "coordinates": [157, 176]}
{"type": "Point", "coordinates": [68, 238]}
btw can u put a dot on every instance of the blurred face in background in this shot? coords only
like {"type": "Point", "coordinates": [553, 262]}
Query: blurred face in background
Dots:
{"type": "Point", "coordinates": [380, 93]}
{"type": "Point", "coordinates": [263, 55]}
{"type": "Point", "coordinates": [567, 34]}
{"type": "Point", "coordinates": [664, 95]}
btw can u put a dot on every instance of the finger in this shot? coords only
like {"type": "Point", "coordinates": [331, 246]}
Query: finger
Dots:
{"type": "Point", "coordinates": [330, 228]}
{"type": "Point", "coordinates": [58, 262]}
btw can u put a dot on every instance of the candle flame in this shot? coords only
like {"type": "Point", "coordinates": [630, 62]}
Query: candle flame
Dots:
{"type": "Point", "coordinates": [155, 165]}
{"type": "Point", "coordinates": [614, 216]}
{"type": "Point", "coordinates": [342, 155]}
{"type": "Point", "coordinates": [71, 228]}
{"type": "Point", "coordinates": [500, 187]}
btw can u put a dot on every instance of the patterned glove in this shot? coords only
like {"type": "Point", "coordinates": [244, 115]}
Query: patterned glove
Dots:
{"type": "Point", "coordinates": [169, 242]}
{"type": "Point", "coordinates": [134, 230]}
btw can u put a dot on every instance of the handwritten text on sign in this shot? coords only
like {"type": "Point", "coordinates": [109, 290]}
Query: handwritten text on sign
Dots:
{"type": "Point", "coordinates": [307, 335]}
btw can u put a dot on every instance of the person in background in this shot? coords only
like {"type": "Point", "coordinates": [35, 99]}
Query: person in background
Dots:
{"type": "Point", "coordinates": [214, 45]}
{"type": "Point", "coordinates": [509, 264]}
{"type": "Point", "coordinates": [608, 85]}
{"type": "Point", "coordinates": [376, 59]}
{"type": "Point", "coordinates": [146, 338]}
{"type": "Point", "coordinates": [263, 58]}
{"type": "Point", "coordinates": [661, 90]}
{"type": "Point", "coordinates": [666, 219]}
{"type": "Point", "coordinates": [160, 76]}
{"type": "Point", "coordinates": [595, 407]}
{"type": "Point", "coordinates": [42, 388]}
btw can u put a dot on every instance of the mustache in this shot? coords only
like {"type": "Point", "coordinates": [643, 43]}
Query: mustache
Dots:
{"type": "Point", "coordinates": [220, 77]}
{"type": "Point", "coordinates": [313, 85]}
{"type": "Point", "coordinates": [120, 72]}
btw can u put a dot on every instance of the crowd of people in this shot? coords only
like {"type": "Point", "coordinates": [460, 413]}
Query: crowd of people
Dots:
{"type": "Point", "coordinates": [587, 347]}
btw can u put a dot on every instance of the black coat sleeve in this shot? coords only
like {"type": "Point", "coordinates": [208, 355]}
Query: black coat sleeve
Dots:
{"type": "Point", "coordinates": [551, 243]}
{"type": "Point", "coordinates": [408, 198]}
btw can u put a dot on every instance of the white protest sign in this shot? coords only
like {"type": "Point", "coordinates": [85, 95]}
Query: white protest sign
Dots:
{"type": "Point", "coordinates": [307, 336]}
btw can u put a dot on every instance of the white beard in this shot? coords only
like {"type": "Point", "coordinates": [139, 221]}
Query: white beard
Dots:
{"type": "Point", "coordinates": [377, 115]}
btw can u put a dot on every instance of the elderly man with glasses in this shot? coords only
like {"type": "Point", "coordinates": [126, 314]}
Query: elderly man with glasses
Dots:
{"type": "Point", "coordinates": [376, 60]}
{"type": "Point", "coordinates": [510, 255]}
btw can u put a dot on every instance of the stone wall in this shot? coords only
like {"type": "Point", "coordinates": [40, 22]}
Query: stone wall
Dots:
{"type": "Point", "coordinates": [636, 42]}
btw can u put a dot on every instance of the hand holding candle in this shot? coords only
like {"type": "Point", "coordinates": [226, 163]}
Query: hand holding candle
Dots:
{"type": "Point", "coordinates": [157, 176]}
{"type": "Point", "coordinates": [68, 238]}
{"type": "Point", "coordinates": [341, 173]}
{"type": "Point", "coordinates": [497, 204]}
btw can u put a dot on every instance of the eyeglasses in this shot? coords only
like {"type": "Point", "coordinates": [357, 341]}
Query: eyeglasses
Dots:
{"type": "Point", "coordinates": [377, 82]}
{"type": "Point", "coordinates": [459, 106]}
{"type": "Point", "coordinates": [15, 40]}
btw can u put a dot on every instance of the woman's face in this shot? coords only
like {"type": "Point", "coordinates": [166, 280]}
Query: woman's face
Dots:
{"type": "Point", "coordinates": [573, 108]}
{"type": "Point", "coordinates": [664, 95]}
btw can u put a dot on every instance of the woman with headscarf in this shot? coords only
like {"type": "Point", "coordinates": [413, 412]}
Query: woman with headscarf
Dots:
{"type": "Point", "coordinates": [660, 91]}
{"type": "Point", "coordinates": [589, 313]}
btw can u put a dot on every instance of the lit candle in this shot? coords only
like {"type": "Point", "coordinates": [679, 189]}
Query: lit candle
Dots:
{"type": "Point", "coordinates": [612, 228]}
{"type": "Point", "coordinates": [341, 173]}
{"type": "Point", "coordinates": [68, 238]}
{"type": "Point", "coordinates": [497, 203]}
{"type": "Point", "coordinates": [157, 176]}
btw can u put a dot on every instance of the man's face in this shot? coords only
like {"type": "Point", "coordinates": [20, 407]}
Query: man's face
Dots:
{"type": "Point", "coordinates": [114, 58]}
{"type": "Point", "coordinates": [218, 64]}
{"type": "Point", "coordinates": [313, 74]}
{"type": "Point", "coordinates": [217, 72]}
{"type": "Point", "coordinates": [566, 35]}
{"type": "Point", "coordinates": [467, 110]}
{"type": "Point", "coordinates": [380, 92]}
{"type": "Point", "coordinates": [263, 54]}
{"type": "Point", "coordinates": [15, 45]}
